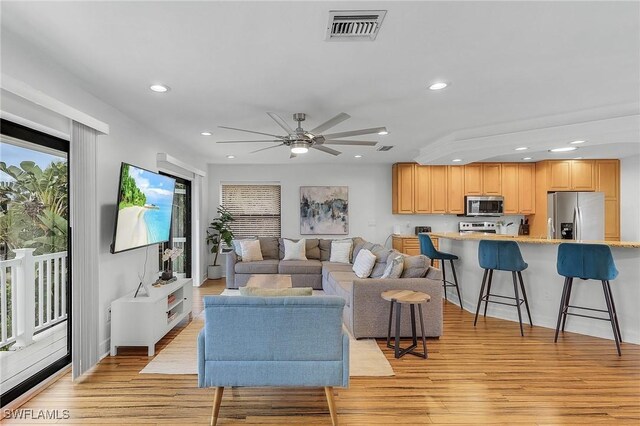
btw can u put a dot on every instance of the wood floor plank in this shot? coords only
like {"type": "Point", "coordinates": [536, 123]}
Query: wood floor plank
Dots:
{"type": "Point", "coordinates": [483, 375]}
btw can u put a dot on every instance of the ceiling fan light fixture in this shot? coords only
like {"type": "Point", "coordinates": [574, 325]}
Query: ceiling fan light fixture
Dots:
{"type": "Point", "coordinates": [299, 148]}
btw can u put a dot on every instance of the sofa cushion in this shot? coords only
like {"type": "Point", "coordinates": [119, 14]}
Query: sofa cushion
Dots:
{"type": "Point", "coordinates": [363, 264]}
{"type": "Point", "coordinates": [260, 267]}
{"type": "Point", "coordinates": [236, 246]}
{"type": "Point", "coordinates": [415, 266]}
{"type": "Point", "coordinates": [312, 248]}
{"type": "Point", "coordinates": [341, 250]}
{"type": "Point", "coordinates": [382, 254]}
{"type": "Point", "coordinates": [334, 266]}
{"type": "Point", "coordinates": [300, 267]}
{"type": "Point", "coordinates": [325, 249]}
{"type": "Point", "coordinates": [294, 250]}
{"type": "Point", "coordinates": [251, 251]}
{"type": "Point", "coordinates": [269, 247]}
{"type": "Point", "coordinates": [395, 265]}
{"type": "Point", "coordinates": [276, 292]}
{"type": "Point", "coordinates": [356, 242]}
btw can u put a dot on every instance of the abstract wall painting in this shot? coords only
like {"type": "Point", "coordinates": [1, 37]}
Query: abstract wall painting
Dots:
{"type": "Point", "coordinates": [324, 210]}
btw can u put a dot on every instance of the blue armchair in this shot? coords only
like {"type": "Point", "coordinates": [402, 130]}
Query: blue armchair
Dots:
{"type": "Point", "coordinates": [273, 341]}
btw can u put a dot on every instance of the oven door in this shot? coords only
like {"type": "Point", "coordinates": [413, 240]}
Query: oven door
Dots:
{"type": "Point", "coordinates": [484, 206]}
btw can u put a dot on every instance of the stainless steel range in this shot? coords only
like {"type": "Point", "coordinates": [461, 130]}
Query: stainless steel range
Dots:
{"type": "Point", "coordinates": [484, 227]}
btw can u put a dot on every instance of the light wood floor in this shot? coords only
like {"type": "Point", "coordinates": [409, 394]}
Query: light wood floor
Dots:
{"type": "Point", "coordinates": [483, 375]}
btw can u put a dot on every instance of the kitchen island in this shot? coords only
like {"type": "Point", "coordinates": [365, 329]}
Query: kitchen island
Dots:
{"type": "Point", "coordinates": [544, 285]}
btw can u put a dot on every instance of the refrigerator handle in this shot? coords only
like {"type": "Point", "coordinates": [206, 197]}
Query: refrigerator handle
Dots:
{"type": "Point", "coordinates": [575, 223]}
{"type": "Point", "coordinates": [580, 222]}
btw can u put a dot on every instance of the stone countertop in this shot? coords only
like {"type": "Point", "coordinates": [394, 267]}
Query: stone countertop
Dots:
{"type": "Point", "coordinates": [525, 239]}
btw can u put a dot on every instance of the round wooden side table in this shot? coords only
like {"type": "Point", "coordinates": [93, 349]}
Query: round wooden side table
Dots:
{"type": "Point", "coordinates": [411, 298]}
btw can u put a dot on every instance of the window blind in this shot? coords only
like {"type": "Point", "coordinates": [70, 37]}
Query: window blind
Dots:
{"type": "Point", "coordinates": [255, 208]}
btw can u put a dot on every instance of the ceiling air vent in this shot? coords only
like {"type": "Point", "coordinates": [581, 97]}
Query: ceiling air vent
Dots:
{"type": "Point", "coordinates": [384, 148]}
{"type": "Point", "coordinates": [354, 25]}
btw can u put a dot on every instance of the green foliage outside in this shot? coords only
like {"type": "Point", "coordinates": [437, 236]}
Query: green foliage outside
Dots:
{"type": "Point", "coordinates": [33, 213]}
{"type": "Point", "coordinates": [219, 231]}
{"type": "Point", "coordinates": [130, 194]}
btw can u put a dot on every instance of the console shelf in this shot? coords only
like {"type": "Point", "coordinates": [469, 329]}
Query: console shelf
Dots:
{"type": "Point", "coordinates": [144, 320]}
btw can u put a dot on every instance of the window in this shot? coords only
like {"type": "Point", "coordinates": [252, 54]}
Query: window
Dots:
{"type": "Point", "coordinates": [255, 208]}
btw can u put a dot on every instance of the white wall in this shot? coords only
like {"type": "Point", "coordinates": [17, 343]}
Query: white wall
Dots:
{"type": "Point", "coordinates": [369, 185]}
{"type": "Point", "coordinates": [630, 198]}
{"type": "Point", "coordinates": [128, 141]}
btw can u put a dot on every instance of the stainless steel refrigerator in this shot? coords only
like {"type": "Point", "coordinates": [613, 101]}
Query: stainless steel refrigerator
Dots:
{"type": "Point", "coordinates": [576, 215]}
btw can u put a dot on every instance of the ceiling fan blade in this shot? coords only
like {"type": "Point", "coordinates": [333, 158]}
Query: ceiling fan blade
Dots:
{"type": "Point", "coordinates": [281, 123]}
{"type": "Point", "coordinates": [263, 149]}
{"type": "Point", "coordinates": [348, 142]}
{"type": "Point", "coordinates": [326, 149]}
{"type": "Point", "coordinates": [247, 141]}
{"type": "Point", "coordinates": [251, 131]}
{"type": "Point", "coordinates": [293, 155]}
{"type": "Point", "coordinates": [355, 133]}
{"type": "Point", "coordinates": [331, 123]}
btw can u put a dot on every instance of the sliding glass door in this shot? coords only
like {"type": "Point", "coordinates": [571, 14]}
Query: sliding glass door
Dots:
{"type": "Point", "coordinates": [35, 258]}
{"type": "Point", "coordinates": [181, 227]}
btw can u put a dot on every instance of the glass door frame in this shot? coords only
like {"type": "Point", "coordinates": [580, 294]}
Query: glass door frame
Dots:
{"type": "Point", "coordinates": [36, 137]}
{"type": "Point", "coordinates": [188, 250]}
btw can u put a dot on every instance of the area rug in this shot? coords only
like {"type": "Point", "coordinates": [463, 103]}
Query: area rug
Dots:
{"type": "Point", "coordinates": [180, 356]}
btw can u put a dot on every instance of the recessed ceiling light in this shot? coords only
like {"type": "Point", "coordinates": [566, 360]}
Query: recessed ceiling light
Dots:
{"type": "Point", "coordinates": [358, 156]}
{"type": "Point", "coordinates": [231, 157]}
{"type": "Point", "coordinates": [578, 158]}
{"type": "Point", "coordinates": [576, 142]}
{"type": "Point", "coordinates": [527, 158]}
{"type": "Point", "coordinates": [522, 148]}
{"type": "Point", "coordinates": [456, 160]}
{"type": "Point", "coordinates": [160, 88]}
{"type": "Point", "coordinates": [206, 133]}
{"type": "Point", "coordinates": [564, 149]}
{"type": "Point", "coordinates": [438, 86]}
{"type": "Point", "coordinates": [384, 132]}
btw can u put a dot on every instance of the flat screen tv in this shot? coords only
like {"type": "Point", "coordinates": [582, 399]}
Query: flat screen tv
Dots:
{"type": "Point", "coordinates": [145, 203]}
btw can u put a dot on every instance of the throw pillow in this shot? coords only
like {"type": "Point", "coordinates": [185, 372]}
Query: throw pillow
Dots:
{"type": "Point", "coordinates": [250, 250]}
{"type": "Point", "coordinates": [415, 266]}
{"type": "Point", "coordinates": [269, 247]}
{"type": "Point", "coordinates": [341, 250]}
{"type": "Point", "coordinates": [237, 248]}
{"type": "Point", "coordinates": [275, 292]}
{"type": "Point", "coordinates": [395, 265]}
{"type": "Point", "coordinates": [382, 255]}
{"type": "Point", "coordinates": [294, 250]}
{"type": "Point", "coordinates": [363, 264]}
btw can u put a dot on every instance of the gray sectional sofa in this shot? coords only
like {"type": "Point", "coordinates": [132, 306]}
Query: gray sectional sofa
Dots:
{"type": "Point", "coordinates": [366, 314]}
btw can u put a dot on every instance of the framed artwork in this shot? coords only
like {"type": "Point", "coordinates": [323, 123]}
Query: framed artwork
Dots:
{"type": "Point", "coordinates": [324, 210]}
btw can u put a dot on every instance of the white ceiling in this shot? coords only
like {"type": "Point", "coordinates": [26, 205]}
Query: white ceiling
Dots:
{"type": "Point", "coordinates": [227, 63]}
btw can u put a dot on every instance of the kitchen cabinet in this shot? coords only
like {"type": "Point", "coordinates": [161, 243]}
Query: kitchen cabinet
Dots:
{"type": "Point", "coordinates": [559, 176]}
{"type": "Point", "coordinates": [455, 188]}
{"type": "Point", "coordinates": [491, 179]}
{"type": "Point", "coordinates": [583, 175]}
{"type": "Point", "coordinates": [410, 245]}
{"type": "Point", "coordinates": [439, 190]}
{"type": "Point", "coordinates": [607, 180]}
{"type": "Point", "coordinates": [422, 189]}
{"type": "Point", "coordinates": [526, 188]}
{"type": "Point", "coordinates": [473, 179]}
{"type": "Point", "coordinates": [402, 188]}
{"type": "Point", "coordinates": [510, 188]}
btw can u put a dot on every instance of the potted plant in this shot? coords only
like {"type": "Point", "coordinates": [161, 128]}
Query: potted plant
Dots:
{"type": "Point", "coordinates": [218, 232]}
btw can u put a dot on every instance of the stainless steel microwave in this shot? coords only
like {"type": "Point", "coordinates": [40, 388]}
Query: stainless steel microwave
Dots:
{"type": "Point", "coordinates": [483, 206]}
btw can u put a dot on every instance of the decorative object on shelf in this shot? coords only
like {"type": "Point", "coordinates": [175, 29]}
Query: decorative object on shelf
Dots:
{"type": "Point", "coordinates": [324, 210]}
{"type": "Point", "coordinates": [168, 256]}
{"type": "Point", "coordinates": [218, 232]}
{"type": "Point", "coordinates": [160, 282]}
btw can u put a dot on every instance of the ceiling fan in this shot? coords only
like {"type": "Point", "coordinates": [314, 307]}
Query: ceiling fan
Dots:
{"type": "Point", "coordinates": [300, 140]}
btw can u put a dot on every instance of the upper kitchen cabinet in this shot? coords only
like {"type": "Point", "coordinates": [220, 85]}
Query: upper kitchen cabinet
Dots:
{"type": "Point", "coordinates": [422, 189]}
{"type": "Point", "coordinates": [402, 188]}
{"type": "Point", "coordinates": [439, 191]}
{"type": "Point", "coordinates": [571, 175]}
{"type": "Point", "coordinates": [526, 188]}
{"type": "Point", "coordinates": [455, 188]}
{"type": "Point", "coordinates": [491, 179]}
{"type": "Point", "coordinates": [510, 188]}
{"type": "Point", "coordinates": [607, 177]}
{"type": "Point", "coordinates": [473, 179]}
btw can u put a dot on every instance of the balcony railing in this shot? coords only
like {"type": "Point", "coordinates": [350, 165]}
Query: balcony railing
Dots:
{"type": "Point", "coordinates": [33, 295]}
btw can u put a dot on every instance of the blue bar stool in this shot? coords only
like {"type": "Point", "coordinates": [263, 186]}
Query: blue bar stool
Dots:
{"type": "Point", "coordinates": [587, 262]}
{"type": "Point", "coordinates": [502, 256]}
{"type": "Point", "coordinates": [427, 249]}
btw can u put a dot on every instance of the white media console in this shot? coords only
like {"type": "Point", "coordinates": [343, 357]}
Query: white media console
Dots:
{"type": "Point", "coordinates": [144, 320]}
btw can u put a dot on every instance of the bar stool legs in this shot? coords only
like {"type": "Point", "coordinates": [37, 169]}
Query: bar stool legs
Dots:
{"type": "Point", "coordinates": [518, 285]}
{"type": "Point", "coordinates": [446, 283]}
{"type": "Point", "coordinates": [455, 280]}
{"type": "Point", "coordinates": [563, 312]}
